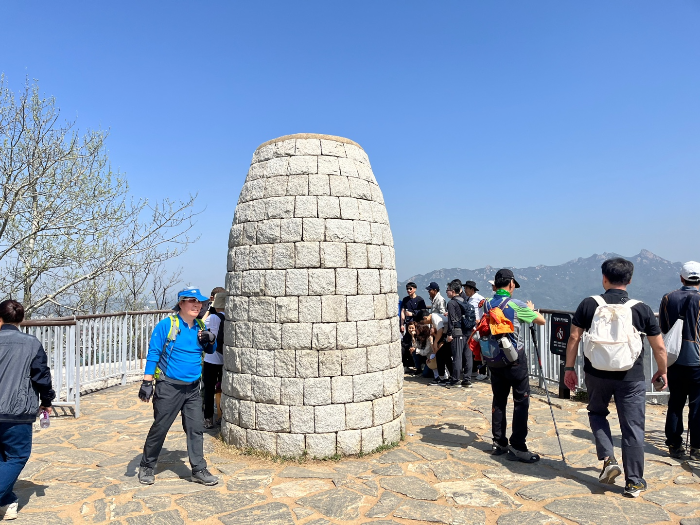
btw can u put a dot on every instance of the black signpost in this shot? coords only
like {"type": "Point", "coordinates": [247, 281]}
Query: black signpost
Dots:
{"type": "Point", "coordinates": [558, 338]}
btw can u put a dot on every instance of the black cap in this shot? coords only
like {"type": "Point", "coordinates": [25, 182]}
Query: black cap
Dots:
{"type": "Point", "coordinates": [504, 274]}
{"type": "Point", "coordinates": [433, 286]}
{"type": "Point", "coordinates": [411, 284]}
{"type": "Point", "coordinates": [472, 285]}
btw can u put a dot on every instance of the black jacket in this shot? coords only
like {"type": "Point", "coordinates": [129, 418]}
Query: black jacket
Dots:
{"type": "Point", "coordinates": [454, 317]}
{"type": "Point", "coordinates": [24, 376]}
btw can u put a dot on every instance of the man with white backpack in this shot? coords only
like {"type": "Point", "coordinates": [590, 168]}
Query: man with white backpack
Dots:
{"type": "Point", "coordinates": [679, 317]}
{"type": "Point", "coordinates": [612, 326]}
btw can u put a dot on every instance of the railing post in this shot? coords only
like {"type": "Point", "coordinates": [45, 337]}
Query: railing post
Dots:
{"type": "Point", "coordinates": [75, 330]}
{"type": "Point", "coordinates": [123, 346]}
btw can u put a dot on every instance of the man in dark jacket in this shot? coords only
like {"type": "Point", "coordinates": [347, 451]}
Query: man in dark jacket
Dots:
{"type": "Point", "coordinates": [461, 354]}
{"type": "Point", "coordinates": [24, 378]}
{"type": "Point", "coordinates": [684, 374]}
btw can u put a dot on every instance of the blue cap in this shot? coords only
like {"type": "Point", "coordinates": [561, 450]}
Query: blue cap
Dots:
{"type": "Point", "coordinates": [433, 286]}
{"type": "Point", "coordinates": [191, 292]}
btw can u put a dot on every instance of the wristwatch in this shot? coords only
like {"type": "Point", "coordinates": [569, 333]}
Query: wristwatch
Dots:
{"type": "Point", "coordinates": [569, 369]}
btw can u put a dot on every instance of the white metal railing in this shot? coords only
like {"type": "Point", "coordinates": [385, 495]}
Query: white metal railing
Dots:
{"type": "Point", "coordinates": [551, 362]}
{"type": "Point", "coordinates": [94, 351]}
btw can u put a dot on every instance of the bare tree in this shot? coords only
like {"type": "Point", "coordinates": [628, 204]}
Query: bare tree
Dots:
{"type": "Point", "coordinates": [67, 224]}
{"type": "Point", "coordinates": [163, 287]}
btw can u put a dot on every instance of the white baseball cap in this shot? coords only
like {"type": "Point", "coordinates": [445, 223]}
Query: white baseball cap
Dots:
{"type": "Point", "coordinates": [691, 271]}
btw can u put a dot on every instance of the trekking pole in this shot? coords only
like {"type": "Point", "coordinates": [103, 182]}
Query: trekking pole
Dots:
{"type": "Point", "coordinates": [544, 381]}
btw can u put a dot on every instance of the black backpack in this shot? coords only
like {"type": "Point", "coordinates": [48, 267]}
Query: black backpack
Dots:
{"type": "Point", "coordinates": [468, 320]}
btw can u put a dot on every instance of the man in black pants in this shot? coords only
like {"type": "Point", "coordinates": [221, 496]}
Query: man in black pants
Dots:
{"type": "Point", "coordinates": [213, 366]}
{"type": "Point", "coordinates": [462, 356]}
{"type": "Point", "coordinates": [411, 305]}
{"type": "Point", "coordinates": [684, 374]}
{"type": "Point", "coordinates": [514, 375]}
{"type": "Point", "coordinates": [174, 360]}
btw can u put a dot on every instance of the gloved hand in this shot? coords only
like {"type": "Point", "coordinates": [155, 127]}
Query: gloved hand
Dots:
{"type": "Point", "coordinates": [146, 391]}
{"type": "Point", "coordinates": [206, 340]}
{"type": "Point", "coordinates": [205, 337]}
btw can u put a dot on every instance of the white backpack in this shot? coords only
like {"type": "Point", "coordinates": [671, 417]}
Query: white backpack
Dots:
{"type": "Point", "coordinates": [673, 339]}
{"type": "Point", "coordinates": [612, 342]}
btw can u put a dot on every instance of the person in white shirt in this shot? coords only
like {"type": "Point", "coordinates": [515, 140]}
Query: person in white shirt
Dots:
{"type": "Point", "coordinates": [439, 305]}
{"type": "Point", "coordinates": [475, 299]}
{"type": "Point", "coordinates": [212, 369]}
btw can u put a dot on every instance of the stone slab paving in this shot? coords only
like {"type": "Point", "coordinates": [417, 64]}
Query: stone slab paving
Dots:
{"type": "Point", "coordinates": [84, 471]}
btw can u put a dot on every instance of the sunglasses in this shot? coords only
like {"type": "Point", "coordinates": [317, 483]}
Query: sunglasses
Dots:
{"type": "Point", "coordinates": [191, 300]}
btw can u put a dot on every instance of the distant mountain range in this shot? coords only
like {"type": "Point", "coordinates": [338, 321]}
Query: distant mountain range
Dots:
{"type": "Point", "coordinates": [563, 287]}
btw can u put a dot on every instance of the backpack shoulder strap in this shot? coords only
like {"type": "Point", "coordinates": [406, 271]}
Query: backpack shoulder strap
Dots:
{"type": "Point", "coordinates": [598, 299]}
{"type": "Point", "coordinates": [632, 302]}
{"type": "Point", "coordinates": [174, 328]}
{"type": "Point", "coordinates": [200, 323]}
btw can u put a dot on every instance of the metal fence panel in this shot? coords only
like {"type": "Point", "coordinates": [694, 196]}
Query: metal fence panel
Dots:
{"type": "Point", "coordinates": [94, 351]}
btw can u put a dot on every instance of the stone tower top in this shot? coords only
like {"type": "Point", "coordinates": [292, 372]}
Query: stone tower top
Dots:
{"type": "Point", "coordinates": [310, 136]}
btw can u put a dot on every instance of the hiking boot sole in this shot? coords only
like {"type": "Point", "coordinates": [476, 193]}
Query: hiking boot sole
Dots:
{"type": "Point", "coordinates": [608, 477]}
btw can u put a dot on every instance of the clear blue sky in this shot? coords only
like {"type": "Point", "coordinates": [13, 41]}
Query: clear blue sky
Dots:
{"type": "Point", "coordinates": [504, 133]}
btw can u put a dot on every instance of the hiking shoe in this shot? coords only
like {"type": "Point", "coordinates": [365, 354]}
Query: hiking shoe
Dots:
{"type": "Point", "coordinates": [610, 471]}
{"type": "Point", "coordinates": [497, 450]}
{"type": "Point", "coordinates": [9, 511]}
{"type": "Point", "coordinates": [437, 382]}
{"type": "Point", "coordinates": [208, 423]}
{"type": "Point", "coordinates": [204, 477]}
{"type": "Point", "coordinates": [694, 454]}
{"type": "Point", "coordinates": [520, 455]}
{"type": "Point", "coordinates": [453, 384]}
{"type": "Point", "coordinates": [146, 476]}
{"type": "Point", "coordinates": [633, 490]}
{"type": "Point", "coordinates": [466, 383]}
{"type": "Point", "coordinates": [481, 377]}
{"type": "Point", "coordinates": [676, 452]}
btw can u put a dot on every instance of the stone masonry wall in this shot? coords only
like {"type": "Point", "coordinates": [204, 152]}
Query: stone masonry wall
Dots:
{"type": "Point", "coordinates": [313, 354]}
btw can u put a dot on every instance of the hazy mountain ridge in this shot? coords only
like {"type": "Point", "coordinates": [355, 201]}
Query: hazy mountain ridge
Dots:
{"type": "Point", "coordinates": [563, 287]}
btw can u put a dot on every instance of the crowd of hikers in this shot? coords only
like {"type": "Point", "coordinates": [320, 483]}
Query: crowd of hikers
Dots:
{"type": "Point", "coordinates": [444, 341]}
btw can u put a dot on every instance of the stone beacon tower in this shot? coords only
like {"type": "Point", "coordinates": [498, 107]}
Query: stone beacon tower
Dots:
{"type": "Point", "coordinates": [312, 361]}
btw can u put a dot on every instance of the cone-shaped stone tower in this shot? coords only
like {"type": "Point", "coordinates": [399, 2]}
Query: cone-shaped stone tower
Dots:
{"type": "Point", "coordinates": [313, 354]}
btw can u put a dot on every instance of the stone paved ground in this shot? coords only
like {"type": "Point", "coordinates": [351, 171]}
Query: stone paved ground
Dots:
{"type": "Point", "coordinates": [83, 471]}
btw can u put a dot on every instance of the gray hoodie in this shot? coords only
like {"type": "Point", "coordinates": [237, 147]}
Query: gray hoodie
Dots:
{"type": "Point", "coordinates": [24, 376]}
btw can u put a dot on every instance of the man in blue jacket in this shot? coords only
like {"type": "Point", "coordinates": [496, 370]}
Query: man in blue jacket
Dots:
{"type": "Point", "coordinates": [24, 379]}
{"type": "Point", "coordinates": [684, 374]}
{"type": "Point", "coordinates": [175, 360]}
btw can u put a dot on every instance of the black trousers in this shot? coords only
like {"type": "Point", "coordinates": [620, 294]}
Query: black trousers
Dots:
{"type": "Point", "coordinates": [462, 359]}
{"type": "Point", "coordinates": [211, 374]}
{"type": "Point", "coordinates": [406, 357]}
{"type": "Point", "coordinates": [502, 380]}
{"type": "Point", "coordinates": [170, 399]}
{"type": "Point", "coordinates": [444, 358]}
{"type": "Point", "coordinates": [683, 384]}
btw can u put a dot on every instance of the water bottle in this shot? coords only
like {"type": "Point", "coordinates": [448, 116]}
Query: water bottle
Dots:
{"type": "Point", "coordinates": [44, 419]}
{"type": "Point", "coordinates": [509, 350]}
